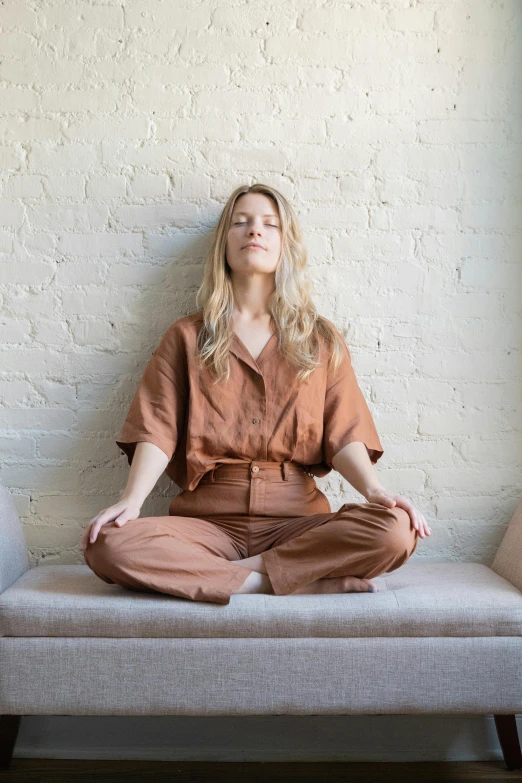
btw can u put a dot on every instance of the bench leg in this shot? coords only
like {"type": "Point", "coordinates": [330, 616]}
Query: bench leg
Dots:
{"type": "Point", "coordinates": [9, 726]}
{"type": "Point", "coordinates": [509, 742]}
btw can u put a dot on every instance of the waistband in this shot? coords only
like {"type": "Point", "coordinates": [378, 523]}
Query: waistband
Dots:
{"type": "Point", "coordinates": [256, 468]}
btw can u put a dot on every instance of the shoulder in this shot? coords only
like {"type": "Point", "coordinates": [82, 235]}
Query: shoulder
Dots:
{"type": "Point", "coordinates": [178, 339]}
{"type": "Point", "coordinates": [184, 328]}
{"type": "Point", "coordinates": [188, 321]}
{"type": "Point", "coordinates": [327, 322]}
{"type": "Point", "coordinates": [189, 324]}
{"type": "Point", "coordinates": [326, 340]}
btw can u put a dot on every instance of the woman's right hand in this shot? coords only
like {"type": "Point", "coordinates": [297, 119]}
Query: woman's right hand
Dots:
{"type": "Point", "coordinates": [120, 513]}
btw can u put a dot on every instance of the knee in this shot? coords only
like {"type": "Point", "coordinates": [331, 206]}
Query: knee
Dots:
{"type": "Point", "coordinates": [96, 565]}
{"type": "Point", "coordinates": [103, 554]}
{"type": "Point", "coordinates": [104, 539]}
{"type": "Point", "coordinates": [400, 537]}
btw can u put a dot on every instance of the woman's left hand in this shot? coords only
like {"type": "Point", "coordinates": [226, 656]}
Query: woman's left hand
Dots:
{"type": "Point", "coordinates": [385, 499]}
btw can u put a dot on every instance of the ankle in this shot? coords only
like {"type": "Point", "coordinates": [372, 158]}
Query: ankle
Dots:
{"type": "Point", "coordinates": [256, 583]}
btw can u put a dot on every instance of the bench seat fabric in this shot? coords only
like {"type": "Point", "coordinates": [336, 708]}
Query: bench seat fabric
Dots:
{"type": "Point", "coordinates": [452, 599]}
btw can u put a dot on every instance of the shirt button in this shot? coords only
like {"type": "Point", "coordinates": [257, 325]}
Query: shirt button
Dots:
{"type": "Point", "coordinates": [255, 421]}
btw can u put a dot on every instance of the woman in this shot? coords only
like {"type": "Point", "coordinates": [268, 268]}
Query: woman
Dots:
{"type": "Point", "coordinates": [241, 404]}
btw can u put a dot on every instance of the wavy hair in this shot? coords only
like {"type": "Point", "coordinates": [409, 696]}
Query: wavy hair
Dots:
{"type": "Point", "coordinates": [293, 314]}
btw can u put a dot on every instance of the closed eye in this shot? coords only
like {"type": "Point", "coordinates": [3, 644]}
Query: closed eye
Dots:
{"type": "Point", "coordinates": [242, 222]}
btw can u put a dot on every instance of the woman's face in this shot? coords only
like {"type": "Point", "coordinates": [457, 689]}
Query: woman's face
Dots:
{"type": "Point", "coordinates": [254, 219]}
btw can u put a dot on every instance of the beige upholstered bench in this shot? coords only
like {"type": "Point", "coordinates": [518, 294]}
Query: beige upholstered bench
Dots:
{"type": "Point", "coordinates": [437, 638]}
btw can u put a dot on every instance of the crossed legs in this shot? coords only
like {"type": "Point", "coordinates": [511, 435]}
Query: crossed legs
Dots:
{"type": "Point", "coordinates": [196, 559]}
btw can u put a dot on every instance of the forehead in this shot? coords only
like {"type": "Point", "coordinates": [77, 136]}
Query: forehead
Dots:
{"type": "Point", "coordinates": [253, 204]}
{"type": "Point", "coordinates": [267, 214]}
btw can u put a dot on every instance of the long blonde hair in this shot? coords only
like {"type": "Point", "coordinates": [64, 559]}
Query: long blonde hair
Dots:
{"type": "Point", "coordinates": [293, 314]}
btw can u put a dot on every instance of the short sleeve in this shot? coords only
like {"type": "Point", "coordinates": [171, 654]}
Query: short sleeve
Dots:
{"type": "Point", "coordinates": [347, 417]}
{"type": "Point", "coordinates": [157, 411]}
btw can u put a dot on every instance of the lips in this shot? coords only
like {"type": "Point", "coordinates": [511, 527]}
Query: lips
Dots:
{"type": "Point", "coordinates": [254, 245]}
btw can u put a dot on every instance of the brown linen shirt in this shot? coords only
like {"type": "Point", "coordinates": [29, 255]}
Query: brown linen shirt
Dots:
{"type": "Point", "coordinates": [261, 413]}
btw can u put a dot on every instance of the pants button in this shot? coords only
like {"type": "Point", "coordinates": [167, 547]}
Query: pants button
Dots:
{"type": "Point", "coordinates": [255, 469]}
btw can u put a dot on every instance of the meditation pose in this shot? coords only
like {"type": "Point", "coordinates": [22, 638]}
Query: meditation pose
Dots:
{"type": "Point", "coordinates": [242, 404]}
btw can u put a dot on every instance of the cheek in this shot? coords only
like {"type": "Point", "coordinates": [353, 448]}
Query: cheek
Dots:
{"type": "Point", "coordinates": [232, 241]}
{"type": "Point", "coordinates": [274, 244]}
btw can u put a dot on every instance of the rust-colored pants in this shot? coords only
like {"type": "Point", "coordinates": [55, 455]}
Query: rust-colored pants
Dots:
{"type": "Point", "coordinates": [243, 509]}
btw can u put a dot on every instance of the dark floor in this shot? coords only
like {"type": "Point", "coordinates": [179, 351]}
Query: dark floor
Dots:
{"type": "Point", "coordinates": [65, 771]}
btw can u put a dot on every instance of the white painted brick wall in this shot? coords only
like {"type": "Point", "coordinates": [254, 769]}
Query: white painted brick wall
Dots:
{"type": "Point", "coordinates": [392, 126]}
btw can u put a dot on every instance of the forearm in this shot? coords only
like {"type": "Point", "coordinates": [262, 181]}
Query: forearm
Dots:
{"type": "Point", "coordinates": [353, 463]}
{"type": "Point", "coordinates": [148, 463]}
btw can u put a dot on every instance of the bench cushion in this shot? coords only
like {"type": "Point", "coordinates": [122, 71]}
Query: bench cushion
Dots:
{"type": "Point", "coordinates": [434, 599]}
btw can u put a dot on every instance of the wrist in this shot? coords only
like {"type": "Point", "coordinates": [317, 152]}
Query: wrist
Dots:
{"type": "Point", "coordinates": [132, 500]}
{"type": "Point", "coordinates": [372, 490]}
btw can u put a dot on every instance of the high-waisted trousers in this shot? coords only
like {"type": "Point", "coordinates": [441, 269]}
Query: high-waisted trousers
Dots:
{"type": "Point", "coordinates": [272, 509]}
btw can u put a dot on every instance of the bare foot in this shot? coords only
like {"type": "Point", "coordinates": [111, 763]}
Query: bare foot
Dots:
{"type": "Point", "coordinates": [255, 583]}
{"type": "Point", "coordinates": [260, 583]}
{"type": "Point", "coordinates": [338, 584]}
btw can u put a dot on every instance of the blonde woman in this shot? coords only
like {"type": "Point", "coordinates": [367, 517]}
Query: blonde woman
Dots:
{"type": "Point", "coordinates": [243, 402]}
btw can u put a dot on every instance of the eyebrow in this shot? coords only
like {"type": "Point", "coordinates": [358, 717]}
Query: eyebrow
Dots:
{"type": "Point", "coordinates": [237, 214]}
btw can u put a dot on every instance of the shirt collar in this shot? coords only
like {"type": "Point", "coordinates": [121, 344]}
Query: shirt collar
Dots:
{"type": "Point", "coordinates": [240, 350]}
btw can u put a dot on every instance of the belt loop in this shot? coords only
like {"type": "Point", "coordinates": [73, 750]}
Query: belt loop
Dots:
{"type": "Point", "coordinates": [285, 471]}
